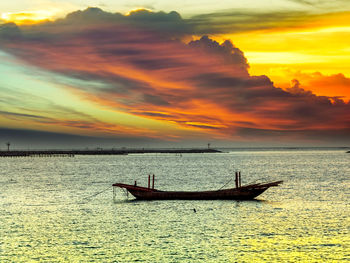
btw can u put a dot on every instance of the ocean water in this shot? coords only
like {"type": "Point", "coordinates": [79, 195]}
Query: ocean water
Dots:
{"type": "Point", "coordinates": [61, 209]}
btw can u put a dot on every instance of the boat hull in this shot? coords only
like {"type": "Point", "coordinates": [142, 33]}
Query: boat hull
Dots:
{"type": "Point", "coordinates": [228, 194]}
{"type": "Point", "coordinates": [247, 192]}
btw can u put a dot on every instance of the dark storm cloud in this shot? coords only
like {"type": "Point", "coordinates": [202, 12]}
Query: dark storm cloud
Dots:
{"type": "Point", "coordinates": [9, 31]}
{"type": "Point", "coordinates": [226, 50]}
{"type": "Point", "coordinates": [31, 139]}
{"type": "Point", "coordinates": [155, 100]}
{"type": "Point", "coordinates": [171, 24]}
{"type": "Point", "coordinates": [316, 135]}
{"type": "Point", "coordinates": [101, 81]}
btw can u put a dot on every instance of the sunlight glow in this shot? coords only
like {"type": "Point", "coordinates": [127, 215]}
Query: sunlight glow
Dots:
{"type": "Point", "coordinates": [281, 58]}
{"type": "Point", "coordinates": [28, 17]}
{"type": "Point", "coordinates": [138, 9]}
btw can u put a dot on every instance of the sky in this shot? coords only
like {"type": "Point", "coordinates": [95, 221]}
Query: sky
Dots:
{"type": "Point", "coordinates": [174, 73]}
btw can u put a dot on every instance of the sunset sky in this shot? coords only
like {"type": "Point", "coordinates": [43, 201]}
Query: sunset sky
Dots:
{"type": "Point", "coordinates": [174, 73]}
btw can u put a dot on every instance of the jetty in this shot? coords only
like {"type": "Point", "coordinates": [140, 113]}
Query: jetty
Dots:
{"type": "Point", "coordinates": [72, 153]}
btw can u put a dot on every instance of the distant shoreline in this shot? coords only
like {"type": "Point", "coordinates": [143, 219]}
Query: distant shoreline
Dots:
{"type": "Point", "coordinates": [71, 153]}
{"type": "Point", "coordinates": [126, 151]}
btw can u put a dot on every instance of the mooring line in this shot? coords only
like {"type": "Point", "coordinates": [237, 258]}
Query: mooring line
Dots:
{"type": "Point", "coordinates": [225, 184]}
{"type": "Point", "coordinates": [96, 194]}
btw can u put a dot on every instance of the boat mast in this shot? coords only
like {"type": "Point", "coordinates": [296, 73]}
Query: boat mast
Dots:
{"type": "Point", "coordinates": [238, 179]}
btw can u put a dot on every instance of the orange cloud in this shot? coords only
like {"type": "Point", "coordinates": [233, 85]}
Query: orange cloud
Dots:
{"type": "Point", "coordinates": [200, 86]}
{"type": "Point", "coordinates": [298, 41]}
{"type": "Point", "coordinates": [336, 86]}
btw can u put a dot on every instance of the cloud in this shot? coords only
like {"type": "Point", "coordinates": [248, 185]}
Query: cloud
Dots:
{"type": "Point", "coordinates": [32, 139]}
{"type": "Point", "coordinates": [320, 84]}
{"type": "Point", "coordinates": [9, 31]}
{"type": "Point", "coordinates": [171, 24]}
{"type": "Point", "coordinates": [241, 21]}
{"type": "Point", "coordinates": [142, 68]}
{"type": "Point", "coordinates": [237, 21]}
{"type": "Point", "coordinates": [227, 51]}
{"type": "Point", "coordinates": [37, 111]}
{"type": "Point", "coordinates": [15, 114]}
{"type": "Point", "coordinates": [309, 137]}
{"type": "Point", "coordinates": [322, 3]}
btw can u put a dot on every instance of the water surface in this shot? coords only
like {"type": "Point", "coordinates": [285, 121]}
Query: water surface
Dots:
{"type": "Point", "coordinates": [62, 209]}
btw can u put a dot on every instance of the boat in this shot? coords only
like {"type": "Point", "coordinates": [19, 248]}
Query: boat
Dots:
{"type": "Point", "coordinates": [245, 192]}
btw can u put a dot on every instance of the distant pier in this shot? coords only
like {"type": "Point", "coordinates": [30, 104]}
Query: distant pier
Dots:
{"type": "Point", "coordinates": [72, 153]}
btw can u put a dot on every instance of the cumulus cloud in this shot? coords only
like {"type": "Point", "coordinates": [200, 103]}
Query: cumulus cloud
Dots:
{"type": "Point", "coordinates": [170, 24]}
{"type": "Point", "coordinates": [9, 31]}
{"type": "Point", "coordinates": [227, 51]}
{"type": "Point", "coordinates": [320, 84]}
{"type": "Point", "coordinates": [144, 69]}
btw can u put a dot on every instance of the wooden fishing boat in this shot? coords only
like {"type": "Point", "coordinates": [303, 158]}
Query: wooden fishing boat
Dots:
{"type": "Point", "coordinates": [246, 192]}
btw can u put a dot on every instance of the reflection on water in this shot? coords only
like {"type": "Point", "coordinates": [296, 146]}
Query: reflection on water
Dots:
{"type": "Point", "coordinates": [62, 209]}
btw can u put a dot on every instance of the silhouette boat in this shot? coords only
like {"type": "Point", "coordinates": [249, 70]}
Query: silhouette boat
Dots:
{"type": "Point", "coordinates": [245, 192]}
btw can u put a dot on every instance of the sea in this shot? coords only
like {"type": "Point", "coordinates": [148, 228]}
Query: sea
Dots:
{"type": "Point", "coordinates": [62, 209]}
